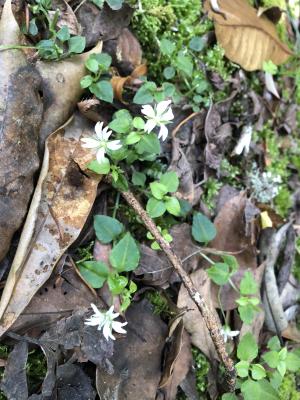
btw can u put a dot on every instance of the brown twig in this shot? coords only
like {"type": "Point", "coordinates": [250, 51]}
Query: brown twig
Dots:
{"type": "Point", "coordinates": [210, 320]}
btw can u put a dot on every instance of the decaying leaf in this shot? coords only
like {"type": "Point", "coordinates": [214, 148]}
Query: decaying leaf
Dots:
{"type": "Point", "coordinates": [192, 319]}
{"type": "Point", "coordinates": [61, 90]}
{"type": "Point", "coordinates": [118, 82]}
{"type": "Point", "coordinates": [66, 17]}
{"type": "Point", "coordinates": [247, 39]}
{"type": "Point", "coordinates": [60, 206]}
{"type": "Point", "coordinates": [20, 117]}
{"type": "Point", "coordinates": [130, 378]}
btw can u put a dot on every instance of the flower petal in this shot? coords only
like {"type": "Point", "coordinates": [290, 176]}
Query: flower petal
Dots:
{"type": "Point", "coordinates": [117, 326]}
{"type": "Point", "coordinates": [90, 143]}
{"type": "Point", "coordinates": [162, 106]}
{"type": "Point", "coordinates": [91, 322]}
{"type": "Point", "coordinates": [106, 133]}
{"type": "Point", "coordinates": [114, 145]}
{"type": "Point", "coordinates": [168, 115]}
{"type": "Point", "coordinates": [149, 125]}
{"type": "Point", "coordinates": [234, 333]}
{"type": "Point", "coordinates": [148, 111]}
{"type": "Point", "coordinates": [95, 309]}
{"type": "Point", "coordinates": [107, 331]}
{"type": "Point", "coordinates": [100, 155]}
{"type": "Point", "coordinates": [98, 130]}
{"type": "Point", "coordinates": [163, 132]}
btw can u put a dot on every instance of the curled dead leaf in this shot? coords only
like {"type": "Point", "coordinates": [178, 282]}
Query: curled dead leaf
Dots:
{"type": "Point", "coordinates": [118, 82]}
{"type": "Point", "coordinates": [60, 206]}
{"type": "Point", "coordinates": [247, 39]}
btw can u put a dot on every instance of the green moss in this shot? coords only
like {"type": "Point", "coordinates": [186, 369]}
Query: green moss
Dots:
{"type": "Point", "coordinates": [201, 370]}
{"type": "Point", "coordinates": [273, 3]}
{"type": "Point", "coordinates": [288, 388]}
{"type": "Point", "coordinates": [215, 61]}
{"type": "Point", "coordinates": [159, 303]}
{"type": "Point", "coordinates": [211, 189]}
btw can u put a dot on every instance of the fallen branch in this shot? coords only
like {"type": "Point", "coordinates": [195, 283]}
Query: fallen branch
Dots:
{"type": "Point", "coordinates": [210, 321]}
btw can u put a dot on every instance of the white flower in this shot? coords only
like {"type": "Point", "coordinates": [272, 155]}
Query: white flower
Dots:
{"type": "Point", "coordinates": [105, 321]}
{"type": "Point", "coordinates": [160, 115]}
{"type": "Point", "coordinates": [227, 333]}
{"type": "Point", "coordinates": [243, 144]}
{"type": "Point", "coordinates": [100, 142]}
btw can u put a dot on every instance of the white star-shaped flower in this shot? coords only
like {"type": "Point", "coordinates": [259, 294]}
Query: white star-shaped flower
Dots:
{"type": "Point", "coordinates": [227, 333]}
{"type": "Point", "coordinates": [244, 142]}
{"type": "Point", "coordinates": [100, 143]}
{"type": "Point", "coordinates": [160, 115]}
{"type": "Point", "coordinates": [105, 321]}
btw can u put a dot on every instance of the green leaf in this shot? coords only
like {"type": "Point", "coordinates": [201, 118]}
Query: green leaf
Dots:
{"type": "Point", "coordinates": [167, 47]}
{"type": "Point", "coordinates": [145, 93]}
{"type": "Point", "coordinates": [125, 254]}
{"type": "Point", "coordinates": [138, 123]}
{"type": "Point", "coordinates": [86, 81]}
{"type": "Point", "coordinates": [169, 72]}
{"type": "Point", "coordinates": [229, 396]}
{"type": "Point", "coordinates": [132, 138]}
{"type": "Point", "coordinates": [168, 89]}
{"type": "Point", "coordinates": [184, 64]}
{"type": "Point", "coordinates": [274, 344]}
{"type": "Point", "coordinates": [203, 230]}
{"type": "Point", "coordinates": [76, 44]}
{"type": "Point", "coordinates": [242, 368]}
{"type": "Point", "coordinates": [282, 354]}
{"type": "Point", "coordinates": [173, 206]}
{"type": "Point", "coordinates": [258, 372]}
{"type": "Point", "coordinates": [116, 283]}
{"type": "Point", "coordinates": [103, 91]}
{"type": "Point", "coordinates": [248, 284]}
{"type": "Point", "coordinates": [271, 358]}
{"type": "Point", "coordinates": [92, 64]}
{"type": "Point", "coordinates": [94, 272]}
{"type": "Point", "coordinates": [48, 50]}
{"type": "Point", "coordinates": [281, 368]}
{"type": "Point", "coordinates": [155, 208]}
{"type": "Point", "coordinates": [247, 348]}
{"type": "Point", "coordinates": [270, 67]}
{"type": "Point", "coordinates": [231, 261]}
{"type": "Point", "coordinates": [33, 29]}
{"type": "Point", "coordinates": [98, 3]}
{"type": "Point", "coordinates": [292, 362]}
{"type": "Point", "coordinates": [138, 178]}
{"type": "Point", "coordinates": [100, 169]}
{"type": "Point", "coordinates": [115, 4]}
{"type": "Point", "coordinates": [149, 143]}
{"type": "Point", "coordinates": [122, 122]}
{"type": "Point", "coordinates": [121, 183]}
{"type": "Point", "coordinates": [247, 312]}
{"type": "Point", "coordinates": [63, 34]}
{"type": "Point", "coordinates": [107, 228]}
{"type": "Point", "coordinates": [258, 390]}
{"type": "Point", "coordinates": [219, 273]}
{"type": "Point", "coordinates": [158, 190]}
{"type": "Point", "coordinates": [103, 59]}
{"type": "Point", "coordinates": [170, 180]}
{"type": "Point", "coordinates": [196, 43]}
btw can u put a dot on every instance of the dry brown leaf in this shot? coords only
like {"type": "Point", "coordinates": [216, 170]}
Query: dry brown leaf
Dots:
{"type": "Point", "coordinates": [20, 118]}
{"type": "Point", "coordinates": [247, 39]}
{"type": "Point", "coordinates": [61, 90]}
{"type": "Point", "coordinates": [118, 82]}
{"type": "Point", "coordinates": [60, 206]}
{"type": "Point", "coordinates": [192, 319]}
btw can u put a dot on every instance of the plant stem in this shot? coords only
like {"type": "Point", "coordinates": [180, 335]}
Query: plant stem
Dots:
{"type": "Point", "coordinates": [210, 320]}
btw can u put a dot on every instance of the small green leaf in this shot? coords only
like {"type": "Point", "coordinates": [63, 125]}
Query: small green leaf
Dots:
{"type": "Point", "coordinates": [203, 230]}
{"type": "Point", "coordinates": [170, 180]}
{"type": "Point", "coordinates": [100, 169]}
{"type": "Point", "coordinates": [229, 396]}
{"type": "Point", "coordinates": [258, 390]}
{"type": "Point", "coordinates": [247, 311]}
{"type": "Point", "coordinates": [270, 67]}
{"type": "Point", "coordinates": [281, 368]}
{"type": "Point", "coordinates": [125, 254]}
{"type": "Point", "coordinates": [103, 91]}
{"type": "Point", "coordinates": [167, 47]}
{"type": "Point", "coordinates": [184, 64]}
{"type": "Point", "coordinates": [138, 123]}
{"type": "Point", "coordinates": [116, 283]}
{"type": "Point", "coordinates": [155, 208]}
{"type": "Point", "coordinates": [219, 273]}
{"type": "Point", "coordinates": [107, 228]}
{"type": "Point", "coordinates": [169, 72]}
{"type": "Point", "coordinates": [122, 122]}
{"type": "Point", "coordinates": [173, 206]}
{"type": "Point", "coordinates": [138, 178]}
{"type": "Point", "coordinates": [158, 190]}
{"type": "Point", "coordinates": [196, 43]}
{"type": "Point", "coordinates": [132, 138]}
{"type": "Point", "coordinates": [86, 81]}
{"type": "Point", "coordinates": [231, 261]}
{"type": "Point", "coordinates": [274, 344]}
{"type": "Point", "coordinates": [242, 368]}
{"type": "Point", "coordinates": [103, 59]}
{"type": "Point", "coordinates": [271, 358]}
{"type": "Point", "coordinates": [292, 362]}
{"type": "Point", "coordinates": [76, 44]}
{"type": "Point", "coordinates": [63, 34]}
{"type": "Point", "coordinates": [258, 372]}
{"type": "Point", "coordinates": [94, 272]}
{"type": "Point", "coordinates": [33, 29]}
{"type": "Point", "coordinates": [247, 348]}
{"type": "Point", "coordinates": [98, 3]}
{"type": "Point", "coordinates": [92, 64]}
{"type": "Point", "coordinates": [248, 284]}
{"type": "Point", "coordinates": [145, 93]}
{"type": "Point", "coordinates": [115, 4]}
{"type": "Point", "coordinates": [149, 143]}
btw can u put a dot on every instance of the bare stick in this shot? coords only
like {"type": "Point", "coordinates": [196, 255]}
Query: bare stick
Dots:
{"type": "Point", "coordinates": [210, 320]}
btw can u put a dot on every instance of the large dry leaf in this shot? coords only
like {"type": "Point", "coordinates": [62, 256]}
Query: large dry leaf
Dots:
{"type": "Point", "coordinates": [20, 117]}
{"type": "Point", "coordinates": [61, 90]}
{"type": "Point", "coordinates": [61, 203]}
{"type": "Point", "coordinates": [247, 39]}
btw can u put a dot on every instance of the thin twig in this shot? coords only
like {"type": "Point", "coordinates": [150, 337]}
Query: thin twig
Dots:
{"type": "Point", "coordinates": [210, 320]}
